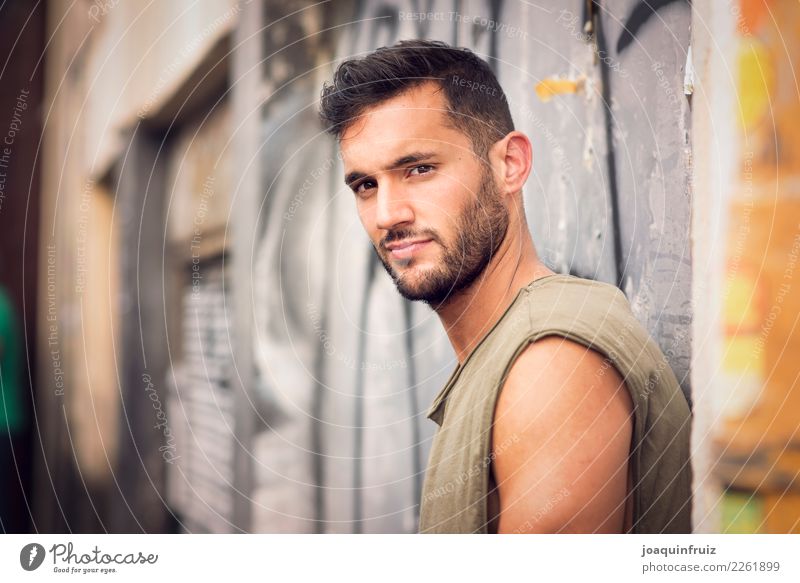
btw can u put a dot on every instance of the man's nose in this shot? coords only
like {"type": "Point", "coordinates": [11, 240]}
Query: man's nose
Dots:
{"type": "Point", "coordinates": [393, 207]}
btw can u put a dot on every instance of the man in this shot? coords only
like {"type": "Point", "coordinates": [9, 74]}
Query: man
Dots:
{"type": "Point", "coordinates": [562, 414]}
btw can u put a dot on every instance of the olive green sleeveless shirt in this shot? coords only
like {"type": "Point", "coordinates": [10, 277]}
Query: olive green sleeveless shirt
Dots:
{"type": "Point", "coordinates": [458, 483]}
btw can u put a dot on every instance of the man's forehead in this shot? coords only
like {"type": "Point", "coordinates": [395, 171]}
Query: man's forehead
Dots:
{"type": "Point", "coordinates": [374, 155]}
{"type": "Point", "coordinates": [414, 120]}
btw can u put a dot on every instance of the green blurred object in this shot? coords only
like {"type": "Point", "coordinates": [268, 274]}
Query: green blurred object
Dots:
{"type": "Point", "coordinates": [12, 415]}
{"type": "Point", "coordinates": [742, 513]}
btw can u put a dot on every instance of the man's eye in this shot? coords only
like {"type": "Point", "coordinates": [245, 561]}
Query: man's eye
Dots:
{"type": "Point", "coordinates": [361, 187]}
{"type": "Point", "coordinates": [424, 169]}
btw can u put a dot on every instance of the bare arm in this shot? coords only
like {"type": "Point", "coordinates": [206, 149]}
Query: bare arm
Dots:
{"type": "Point", "coordinates": [561, 441]}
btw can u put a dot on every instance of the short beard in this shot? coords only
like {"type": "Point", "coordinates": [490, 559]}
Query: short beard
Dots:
{"type": "Point", "coordinates": [481, 228]}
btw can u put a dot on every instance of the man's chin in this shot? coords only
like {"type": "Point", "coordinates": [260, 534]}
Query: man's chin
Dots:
{"type": "Point", "coordinates": [421, 289]}
{"type": "Point", "coordinates": [417, 281]}
{"type": "Point", "coordinates": [415, 294]}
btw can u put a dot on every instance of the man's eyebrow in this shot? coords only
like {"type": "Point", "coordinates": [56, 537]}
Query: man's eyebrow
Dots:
{"type": "Point", "coordinates": [400, 162]}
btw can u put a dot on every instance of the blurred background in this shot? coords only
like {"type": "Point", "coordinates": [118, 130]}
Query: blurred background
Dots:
{"type": "Point", "coordinates": [195, 335]}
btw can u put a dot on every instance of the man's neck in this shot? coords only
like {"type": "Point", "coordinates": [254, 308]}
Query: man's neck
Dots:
{"type": "Point", "coordinates": [470, 314]}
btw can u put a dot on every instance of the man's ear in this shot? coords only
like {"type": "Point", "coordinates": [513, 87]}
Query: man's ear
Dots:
{"type": "Point", "coordinates": [512, 158]}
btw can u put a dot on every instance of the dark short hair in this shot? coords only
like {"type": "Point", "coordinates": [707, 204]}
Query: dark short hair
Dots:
{"type": "Point", "coordinates": [476, 103]}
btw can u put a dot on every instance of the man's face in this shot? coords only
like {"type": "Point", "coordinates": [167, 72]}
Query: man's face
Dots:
{"type": "Point", "coordinates": [429, 205]}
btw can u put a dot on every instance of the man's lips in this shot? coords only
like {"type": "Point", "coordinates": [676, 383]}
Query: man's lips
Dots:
{"type": "Point", "coordinates": [405, 249]}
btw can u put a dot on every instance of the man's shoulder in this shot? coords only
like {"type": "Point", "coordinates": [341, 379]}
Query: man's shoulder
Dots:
{"type": "Point", "coordinates": [575, 325]}
{"type": "Point", "coordinates": [560, 366]}
{"type": "Point", "coordinates": [566, 289]}
{"type": "Point", "coordinates": [586, 310]}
